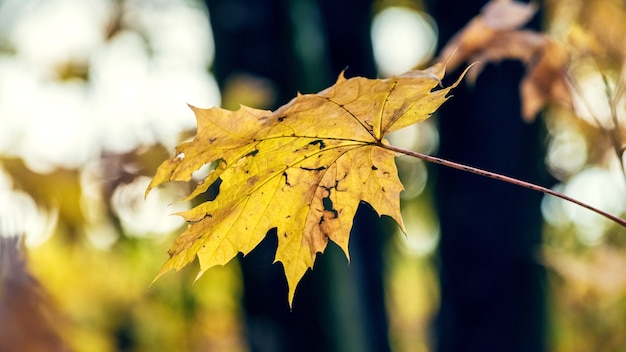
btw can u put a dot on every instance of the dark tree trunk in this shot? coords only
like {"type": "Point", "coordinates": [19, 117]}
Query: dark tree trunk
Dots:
{"type": "Point", "coordinates": [337, 307]}
{"type": "Point", "coordinates": [492, 290]}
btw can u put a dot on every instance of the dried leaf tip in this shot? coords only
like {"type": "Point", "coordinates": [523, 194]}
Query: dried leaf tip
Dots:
{"type": "Point", "coordinates": [435, 72]}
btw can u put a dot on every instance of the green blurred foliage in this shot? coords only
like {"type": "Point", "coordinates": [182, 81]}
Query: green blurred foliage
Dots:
{"type": "Point", "coordinates": [109, 304]}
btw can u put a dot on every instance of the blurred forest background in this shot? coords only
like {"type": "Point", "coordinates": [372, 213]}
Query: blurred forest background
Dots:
{"type": "Point", "coordinates": [93, 97]}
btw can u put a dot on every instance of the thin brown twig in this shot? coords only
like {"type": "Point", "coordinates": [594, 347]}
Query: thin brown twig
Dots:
{"type": "Point", "coordinates": [612, 134]}
{"type": "Point", "coordinates": [496, 176]}
{"type": "Point", "coordinates": [615, 133]}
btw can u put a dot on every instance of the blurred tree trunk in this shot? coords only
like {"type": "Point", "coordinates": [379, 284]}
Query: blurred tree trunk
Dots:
{"type": "Point", "coordinates": [492, 290]}
{"type": "Point", "coordinates": [302, 46]}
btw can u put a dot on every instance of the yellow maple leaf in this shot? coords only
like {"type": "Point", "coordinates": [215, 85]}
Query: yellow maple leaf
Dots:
{"type": "Point", "coordinates": [302, 169]}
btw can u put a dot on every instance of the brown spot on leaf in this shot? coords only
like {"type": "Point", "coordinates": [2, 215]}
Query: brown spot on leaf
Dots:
{"type": "Point", "coordinates": [313, 169]}
{"type": "Point", "coordinates": [253, 153]}
{"type": "Point", "coordinates": [319, 143]}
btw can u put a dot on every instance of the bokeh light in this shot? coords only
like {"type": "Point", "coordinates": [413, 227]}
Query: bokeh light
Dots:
{"type": "Point", "coordinates": [403, 39]}
{"type": "Point", "coordinates": [72, 87]}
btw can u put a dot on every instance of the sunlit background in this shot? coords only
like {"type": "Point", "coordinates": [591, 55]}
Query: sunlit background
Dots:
{"type": "Point", "coordinates": [94, 94]}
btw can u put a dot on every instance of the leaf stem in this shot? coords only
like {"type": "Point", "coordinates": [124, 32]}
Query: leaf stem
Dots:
{"type": "Point", "coordinates": [496, 176]}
